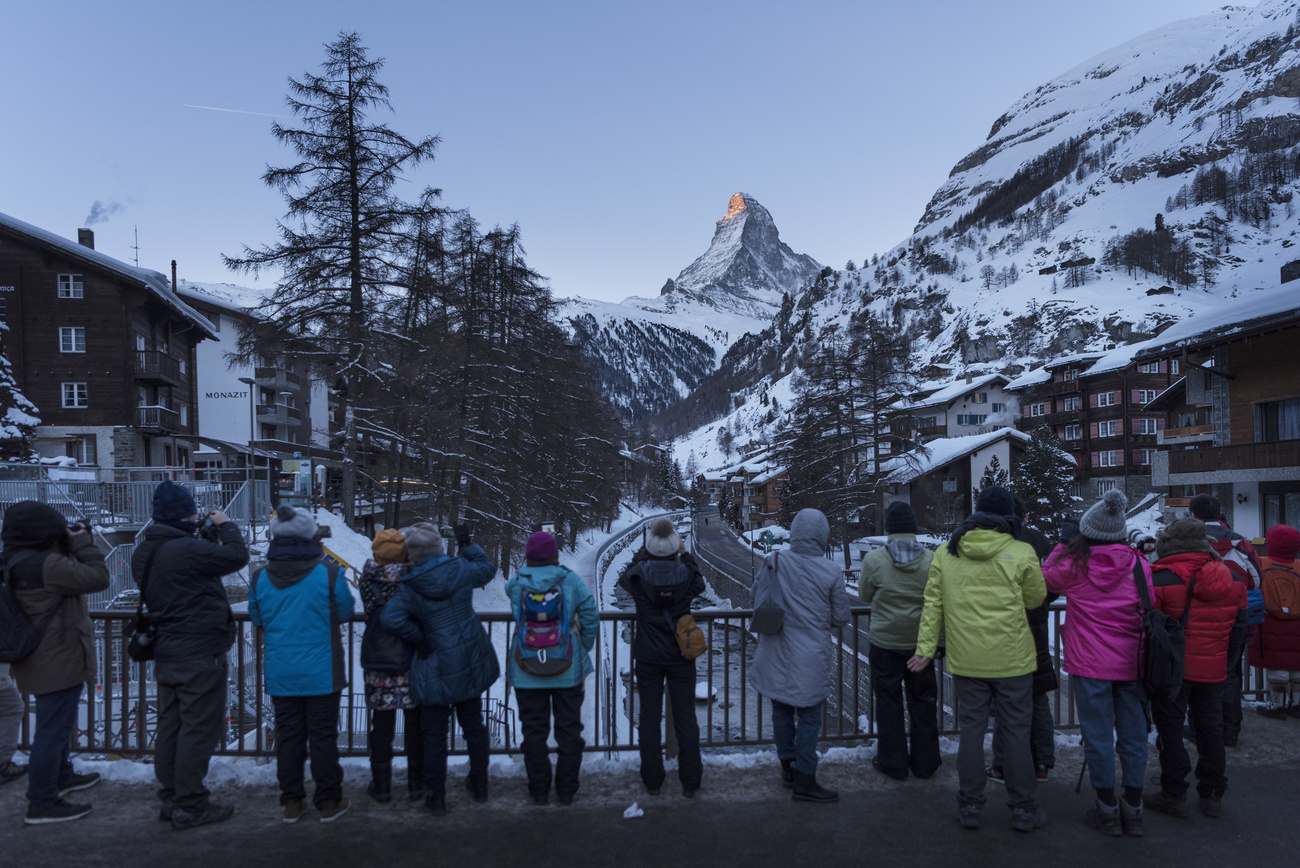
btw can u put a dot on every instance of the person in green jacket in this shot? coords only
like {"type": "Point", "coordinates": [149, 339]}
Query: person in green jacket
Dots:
{"type": "Point", "coordinates": [892, 581]}
{"type": "Point", "coordinates": [980, 585]}
{"type": "Point", "coordinates": [550, 587]}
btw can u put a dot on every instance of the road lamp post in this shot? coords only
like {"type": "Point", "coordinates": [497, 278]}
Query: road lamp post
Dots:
{"type": "Point", "coordinates": [252, 456]}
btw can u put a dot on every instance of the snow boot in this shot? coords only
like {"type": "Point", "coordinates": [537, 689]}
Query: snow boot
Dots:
{"type": "Point", "coordinates": [436, 803]}
{"type": "Point", "coordinates": [478, 787]}
{"type": "Point", "coordinates": [806, 789]}
{"type": "Point", "coordinates": [787, 773]}
{"type": "Point", "coordinates": [1130, 818]}
{"type": "Point", "coordinates": [1105, 818]}
{"type": "Point", "coordinates": [415, 783]}
{"type": "Point", "coordinates": [381, 782]}
{"type": "Point", "coordinates": [1277, 703]}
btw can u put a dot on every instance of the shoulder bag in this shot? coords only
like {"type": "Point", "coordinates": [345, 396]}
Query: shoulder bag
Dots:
{"type": "Point", "coordinates": [769, 618]}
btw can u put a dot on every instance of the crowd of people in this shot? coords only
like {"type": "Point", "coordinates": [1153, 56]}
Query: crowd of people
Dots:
{"type": "Point", "coordinates": [978, 601]}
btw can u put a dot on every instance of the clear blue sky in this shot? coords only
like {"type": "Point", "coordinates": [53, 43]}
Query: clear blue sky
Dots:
{"type": "Point", "coordinates": [613, 133]}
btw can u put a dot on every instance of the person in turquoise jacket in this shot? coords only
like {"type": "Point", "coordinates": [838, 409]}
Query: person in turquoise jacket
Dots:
{"type": "Point", "coordinates": [541, 696]}
{"type": "Point", "coordinates": [454, 662]}
{"type": "Point", "coordinates": [299, 603]}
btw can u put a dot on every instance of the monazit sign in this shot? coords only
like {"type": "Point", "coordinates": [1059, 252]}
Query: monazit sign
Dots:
{"type": "Point", "coordinates": [216, 395]}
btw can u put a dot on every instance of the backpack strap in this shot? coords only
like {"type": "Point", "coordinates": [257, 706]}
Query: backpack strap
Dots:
{"type": "Point", "coordinates": [1138, 576]}
{"type": "Point", "coordinates": [144, 579]}
{"type": "Point", "coordinates": [332, 572]}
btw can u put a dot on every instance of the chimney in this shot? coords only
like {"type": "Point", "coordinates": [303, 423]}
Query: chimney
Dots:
{"type": "Point", "coordinates": [970, 378]}
{"type": "Point", "coordinates": [86, 238]}
{"type": "Point", "coordinates": [174, 277]}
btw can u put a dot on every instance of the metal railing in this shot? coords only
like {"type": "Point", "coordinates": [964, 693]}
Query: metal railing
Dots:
{"type": "Point", "coordinates": [158, 418]}
{"type": "Point", "coordinates": [157, 366]}
{"type": "Point", "coordinates": [119, 715]}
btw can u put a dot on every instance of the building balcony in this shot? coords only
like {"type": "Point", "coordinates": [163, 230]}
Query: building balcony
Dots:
{"type": "Point", "coordinates": [158, 419]}
{"type": "Point", "coordinates": [1192, 434]}
{"type": "Point", "coordinates": [277, 378]}
{"type": "Point", "coordinates": [278, 414]}
{"type": "Point", "coordinates": [1248, 456]}
{"type": "Point", "coordinates": [1066, 387]}
{"type": "Point", "coordinates": [154, 366]}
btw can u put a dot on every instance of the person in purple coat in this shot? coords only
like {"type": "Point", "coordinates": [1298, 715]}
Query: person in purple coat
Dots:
{"type": "Point", "coordinates": [1097, 573]}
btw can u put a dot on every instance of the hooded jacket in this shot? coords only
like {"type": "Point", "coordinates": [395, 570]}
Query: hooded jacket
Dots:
{"type": "Point", "coordinates": [435, 610]}
{"type": "Point", "coordinates": [795, 665]}
{"type": "Point", "coordinates": [584, 621]}
{"type": "Point", "coordinates": [1211, 615]}
{"type": "Point", "coordinates": [674, 580]}
{"type": "Point", "coordinates": [1277, 643]}
{"type": "Point", "coordinates": [50, 587]}
{"type": "Point", "coordinates": [290, 599]}
{"type": "Point", "coordinates": [1103, 626]}
{"type": "Point", "coordinates": [979, 596]}
{"type": "Point", "coordinates": [892, 581]}
{"type": "Point", "coordinates": [185, 597]}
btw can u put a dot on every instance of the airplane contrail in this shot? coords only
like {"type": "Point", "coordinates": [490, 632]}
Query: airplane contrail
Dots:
{"type": "Point", "coordinates": [234, 111]}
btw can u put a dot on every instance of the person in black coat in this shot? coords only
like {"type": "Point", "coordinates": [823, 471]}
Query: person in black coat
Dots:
{"type": "Point", "coordinates": [180, 579]}
{"type": "Point", "coordinates": [663, 579]}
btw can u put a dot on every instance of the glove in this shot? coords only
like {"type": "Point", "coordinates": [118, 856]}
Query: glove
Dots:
{"type": "Point", "coordinates": [463, 537]}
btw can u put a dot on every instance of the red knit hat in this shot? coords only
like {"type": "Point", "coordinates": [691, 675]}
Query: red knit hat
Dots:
{"type": "Point", "coordinates": [1283, 542]}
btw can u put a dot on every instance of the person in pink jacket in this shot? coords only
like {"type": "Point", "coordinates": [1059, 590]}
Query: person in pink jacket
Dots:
{"type": "Point", "coordinates": [1097, 573]}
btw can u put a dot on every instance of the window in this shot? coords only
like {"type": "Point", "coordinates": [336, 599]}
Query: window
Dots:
{"type": "Point", "coordinates": [185, 415]}
{"type": "Point", "coordinates": [4, 309]}
{"type": "Point", "coordinates": [884, 447]}
{"type": "Point", "coordinates": [1146, 426]}
{"type": "Point", "coordinates": [1037, 409]}
{"type": "Point", "coordinates": [1075, 490]}
{"type": "Point", "coordinates": [70, 286]}
{"type": "Point", "coordinates": [215, 319]}
{"type": "Point", "coordinates": [1277, 420]}
{"type": "Point", "coordinates": [1173, 366]}
{"type": "Point", "coordinates": [1105, 399]}
{"type": "Point", "coordinates": [1071, 374]}
{"type": "Point", "coordinates": [268, 432]}
{"type": "Point", "coordinates": [1149, 368]}
{"type": "Point", "coordinates": [999, 408]}
{"type": "Point", "coordinates": [979, 398]}
{"type": "Point", "coordinates": [972, 419]}
{"type": "Point", "coordinates": [1072, 432]}
{"type": "Point", "coordinates": [1106, 429]}
{"type": "Point", "coordinates": [927, 422]}
{"type": "Point", "coordinates": [75, 396]}
{"type": "Point", "coordinates": [1143, 456]}
{"type": "Point", "coordinates": [1106, 485]}
{"type": "Point", "coordinates": [72, 339]}
{"type": "Point", "coordinates": [1070, 404]}
{"type": "Point", "coordinates": [1146, 396]}
{"type": "Point", "coordinates": [1107, 459]}
{"type": "Point", "coordinates": [83, 449]}
{"type": "Point", "coordinates": [950, 483]}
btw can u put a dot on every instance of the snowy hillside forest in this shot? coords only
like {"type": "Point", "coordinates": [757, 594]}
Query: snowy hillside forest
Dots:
{"type": "Point", "coordinates": [1146, 184]}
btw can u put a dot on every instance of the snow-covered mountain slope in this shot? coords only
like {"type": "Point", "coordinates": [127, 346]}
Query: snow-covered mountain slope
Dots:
{"type": "Point", "coordinates": [648, 353]}
{"type": "Point", "coordinates": [1151, 182]}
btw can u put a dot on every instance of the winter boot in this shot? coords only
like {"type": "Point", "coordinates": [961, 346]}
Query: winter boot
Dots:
{"type": "Point", "coordinates": [436, 803]}
{"type": "Point", "coordinates": [381, 782]}
{"type": "Point", "coordinates": [1105, 818]}
{"type": "Point", "coordinates": [1130, 817]}
{"type": "Point", "coordinates": [1277, 703]}
{"type": "Point", "coordinates": [478, 787]}
{"type": "Point", "coordinates": [787, 773]}
{"type": "Point", "coordinates": [806, 789]}
{"type": "Point", "coordinates": [1174, 806]}
{"type": "Point", "coordinates": [415, 784]}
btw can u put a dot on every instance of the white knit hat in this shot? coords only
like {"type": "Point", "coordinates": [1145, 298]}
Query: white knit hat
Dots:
{"type": "Point", "coordinates": [663, 541]}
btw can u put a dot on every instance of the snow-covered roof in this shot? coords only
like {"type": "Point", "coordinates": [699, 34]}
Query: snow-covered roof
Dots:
{"type": "Point", "coordinates": [949, 392]}
{"type": "Point", "coordinates": [1169, 398]}
{"type": "Point", "coordinates": [1247, 313]}
{"type": "Point", "coordinates": [768, 475]}
{"type": "Point", "coordinates": [152, 281]}
{"type": "Point", "coordinates": [1029, 378]}
{"type": "Point", "coordinates": [943, 451]}
{"type": "Point", "coordinates": [1115, 360]}
{"type": "Point", "coordinates": [227, 296]}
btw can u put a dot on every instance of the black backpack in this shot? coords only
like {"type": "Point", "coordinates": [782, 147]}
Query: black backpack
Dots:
{"type": "Point", "coordinates": [663, 580]}
{"type": "Point", "coordinates": [19, 637]}
{"type": "Point", "coordinates": [1162, 655]}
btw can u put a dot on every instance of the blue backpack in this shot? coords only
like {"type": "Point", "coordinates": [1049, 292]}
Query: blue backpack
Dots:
{"type": "Point", "coordinates": [544, 632]}
{"type": "Point", "coordinates": [1254, 607]}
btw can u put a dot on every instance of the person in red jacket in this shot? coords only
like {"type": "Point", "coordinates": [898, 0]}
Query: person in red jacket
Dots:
{"type": "Point", "coordinates": [1185, 557]}
{"type": "Point", "coordinates": [1277, 643]}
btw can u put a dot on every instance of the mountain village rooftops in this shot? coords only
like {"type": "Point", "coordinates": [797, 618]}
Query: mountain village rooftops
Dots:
{"type": "Point", "coordinates": [1249, 313]}
{"type": "Point", "coordinates": [946, 392]}
{"type": "Point", "coordinates": [152, 281]}
{"type": "Point", "coordinates": [943, 451]}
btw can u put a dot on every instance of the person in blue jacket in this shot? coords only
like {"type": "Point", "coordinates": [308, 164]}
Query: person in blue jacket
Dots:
{"type": "Point", "coordinates": [541, 696]}
{"type": "Point", "coordinates": [299, 603]}
{"type": "Point", "coordinates": [454, 662]}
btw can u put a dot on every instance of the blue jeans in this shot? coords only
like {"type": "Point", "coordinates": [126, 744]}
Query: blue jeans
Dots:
{"type": "Point", "coordinates": [1113, 723]}
{"type": "Point", "coordinates": [797, 739]}
{"type": "Point", "coordinates": [49, 765]}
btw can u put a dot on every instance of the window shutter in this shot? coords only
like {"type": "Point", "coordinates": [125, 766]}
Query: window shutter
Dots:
{"type": "Point", "coordinates": [1160, 424]}
{"type": "Point", "coordinates": [1137, 426]}
{"type": "Point", "coordinates": [1164, 366]}
{"type": "Point", "coordinates": [1092, 428]}
{"type": "Point", "coordinates": [1058, 377]}
{"type": "Point", "coordinates": [1078, 460]}
{"type": "Point", "coordinates": [1119, 457]}
{"type": "Point", "coordinates": [1096, 457]}
{"type": "Point", "coordinates": [1135, 398]}
{"type": "Point", "coordinates": [1137, 457]}
{"type": "Point", "coordinates": [1092, 400]}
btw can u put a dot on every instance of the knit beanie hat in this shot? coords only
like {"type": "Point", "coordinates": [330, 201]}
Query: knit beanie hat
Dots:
{"type": "Point", "coordinates": [1183, 536]}
{"type": "Point", "coordinates": [996, 500]}
{"type": "Point", "coordinates": [542, 548]}
{"type": "Point", "coordinates": [900, 518]}
{"type": "Point", "coordinates": [389, 546]}
{"type": "Point", "coordinates": [663, 541]}
{"type": "Point", "coordinates": [1283, 542]}
{"type": "Point", "coordinates": [423, 541]}
{"type": "Point", "coordinates": [172, 502]}
{"type": "Point", "coordinates": [291, 523]}
{"type": "Point", "coordinates": [33, 525]}
{"type": "Point", "coordinates": [1105, 521]}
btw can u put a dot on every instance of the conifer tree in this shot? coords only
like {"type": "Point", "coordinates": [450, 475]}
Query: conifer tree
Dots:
{"type": "Point", "coordinates": [994, 474]}
{"type": "Point", "coordinates": [18, 416]}
{"type": "Point", "coordinates": [1043, 480]}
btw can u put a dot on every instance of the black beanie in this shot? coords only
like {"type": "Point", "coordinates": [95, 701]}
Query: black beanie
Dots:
{"type": "Point", "coordinates": [29, 524]}
{"type": "Point", "coordinates": [996, 500]}
{"type": "Point", "coordinates": [900, 518]}
{"type": "Point", "coordinates": [172, 502]}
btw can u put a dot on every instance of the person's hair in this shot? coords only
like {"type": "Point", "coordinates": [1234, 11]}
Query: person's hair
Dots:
{"type": "Point", "coordinates": [1079, 549]}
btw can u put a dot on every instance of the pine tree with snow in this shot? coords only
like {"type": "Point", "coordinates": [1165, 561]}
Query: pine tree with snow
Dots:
{"type": "Point", "coordinates": [1043, 479]}
{"type": "Point", "coordinates": [18, 415]}
{"type": "Point", "coordinates": [994, 474]}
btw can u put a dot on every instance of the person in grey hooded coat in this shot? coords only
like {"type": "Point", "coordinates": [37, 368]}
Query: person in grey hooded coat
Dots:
{"type": "Point", "coordinates": [794, 667]}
